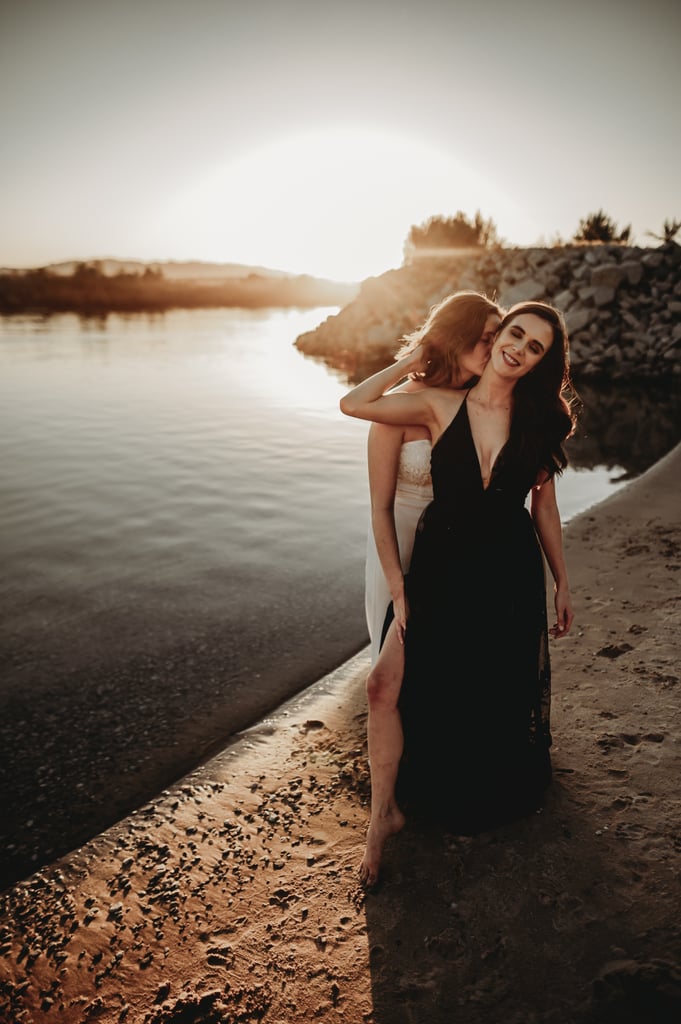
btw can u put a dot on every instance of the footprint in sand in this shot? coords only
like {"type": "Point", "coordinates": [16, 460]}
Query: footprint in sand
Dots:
{"type": "Point", "coordinates": [569, 912]}
{"type": "Point", "coordinates": [612, 741]}
{"type": "Point", "coordinates": [219, 959]}
{"type": "Point", "coordinates": [628, 830]}
{"type": "Point", "coordinates": [614, 650]}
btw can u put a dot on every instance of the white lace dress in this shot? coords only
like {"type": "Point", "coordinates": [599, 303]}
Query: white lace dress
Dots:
{"type": "Point", "coordinates": [413, 492]}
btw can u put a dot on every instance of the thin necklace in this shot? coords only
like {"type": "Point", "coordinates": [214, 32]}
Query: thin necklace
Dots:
{"type": "Point", "coordinates": [488, 405]}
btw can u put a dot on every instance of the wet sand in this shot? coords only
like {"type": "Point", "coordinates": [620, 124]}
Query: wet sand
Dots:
{"type": "Point", "coordinates": [234, 896]}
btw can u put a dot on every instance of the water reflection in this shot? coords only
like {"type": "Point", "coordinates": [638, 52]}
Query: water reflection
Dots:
{"type": "Point", "coordinates": [628, 426]}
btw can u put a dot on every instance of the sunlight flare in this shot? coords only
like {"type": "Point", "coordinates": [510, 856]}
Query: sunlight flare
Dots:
{"type": "Point", "coordinates": [335, 203]}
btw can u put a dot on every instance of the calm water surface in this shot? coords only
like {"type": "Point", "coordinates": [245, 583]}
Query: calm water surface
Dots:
{"type": "Point", "coordinates": [149, 463]}
{"type": "Point", "coordinates": [183, 521]}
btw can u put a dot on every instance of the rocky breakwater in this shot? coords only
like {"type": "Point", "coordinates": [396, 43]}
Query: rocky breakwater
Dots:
{"type": "Point", "coordinates": [622, 306]}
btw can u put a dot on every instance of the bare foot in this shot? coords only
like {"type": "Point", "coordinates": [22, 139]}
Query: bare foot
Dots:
{"type": "Point", "coordinates": [380, 828]}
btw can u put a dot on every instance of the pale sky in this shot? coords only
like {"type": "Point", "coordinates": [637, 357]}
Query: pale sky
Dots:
{"type": "Point", "coordinates": [309, 136]}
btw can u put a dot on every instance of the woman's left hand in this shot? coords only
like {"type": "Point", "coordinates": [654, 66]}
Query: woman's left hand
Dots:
{"type": "Point", "coordinates": [564, 613]}
{"type": "Point", "coordinates": [401, 612]}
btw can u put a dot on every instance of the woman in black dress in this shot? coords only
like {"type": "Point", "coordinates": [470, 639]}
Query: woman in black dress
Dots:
{"type": "Point", "coordinates": [476, 690]}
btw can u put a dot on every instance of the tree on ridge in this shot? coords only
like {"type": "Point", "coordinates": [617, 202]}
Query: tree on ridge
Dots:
{"type": "Point", "coordinates": [457, 232]}
{"type": "Point", "coordinates": [599, 227]}
{"type": "Point", "coordinates": [670, 230]}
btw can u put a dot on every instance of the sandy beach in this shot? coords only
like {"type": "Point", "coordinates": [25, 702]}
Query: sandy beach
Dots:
{"type": "Point", "coordinates": [234, 896]}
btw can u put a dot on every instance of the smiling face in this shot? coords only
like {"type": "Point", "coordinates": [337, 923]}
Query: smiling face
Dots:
{"type": "Point", "coordinates": [474, 361]}
{"type": "Point", "coordinates": [521, 345]}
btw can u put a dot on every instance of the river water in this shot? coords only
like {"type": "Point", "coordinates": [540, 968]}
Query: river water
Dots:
{"type": "Point", "coordinates": [183, 521]}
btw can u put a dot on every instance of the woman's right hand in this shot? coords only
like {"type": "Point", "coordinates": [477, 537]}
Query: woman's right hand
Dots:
{"type": "Point", "coordinates": [415, 361]}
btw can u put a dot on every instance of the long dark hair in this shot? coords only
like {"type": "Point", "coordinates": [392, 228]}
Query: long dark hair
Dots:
{"type": "Point", "coordinates": [544, 401]}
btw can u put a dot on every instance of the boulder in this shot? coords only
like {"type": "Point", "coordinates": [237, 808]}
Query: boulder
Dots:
{"type": "Point", "coordinates": [563, 300]}
{"type": "Point", "coordinates": [604, 295]}
{"type": "Point", "coordinates": [586, 294]}
{"type": "Point", "coordinates": [633, 271]}
{"type": "Point", "coordinates": [527, 290]}
{"type": "Point", "coordinates": [578, 318]}
{"type": "Point", "coordinates": [608, 275]}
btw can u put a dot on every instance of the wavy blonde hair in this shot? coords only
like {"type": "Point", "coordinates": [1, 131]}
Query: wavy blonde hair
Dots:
{"type": "Point", "coordinates": [453, 326]}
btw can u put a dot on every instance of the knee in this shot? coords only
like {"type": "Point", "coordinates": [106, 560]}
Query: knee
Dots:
{"type": "Point", "coordinates": [382, 689]}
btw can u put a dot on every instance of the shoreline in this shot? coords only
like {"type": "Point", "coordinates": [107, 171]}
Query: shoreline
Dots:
{"type": "Point", "coordinates": [234, 894]}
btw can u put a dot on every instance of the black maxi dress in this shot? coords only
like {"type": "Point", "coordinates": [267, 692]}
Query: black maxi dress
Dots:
{"type": "Point", "coordinates": [476, 692]}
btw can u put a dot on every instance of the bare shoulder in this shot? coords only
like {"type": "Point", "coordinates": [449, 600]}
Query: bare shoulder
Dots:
{"type": "Point", "coordinates": [385, 437]}
{"type": "Point", "coordinates": [386, 434]}
{"type": "Point", "coordinates": [445, 403]}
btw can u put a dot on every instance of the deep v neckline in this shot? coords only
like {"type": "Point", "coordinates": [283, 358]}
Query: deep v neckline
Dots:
{"type": "Point", "coordinates": [476, 454]}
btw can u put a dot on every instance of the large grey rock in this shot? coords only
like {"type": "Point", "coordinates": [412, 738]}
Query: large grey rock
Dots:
{"type": "Point", "coordinates": [608, 275]}
{"type": "Point", "coordinates": [631, 320]}
{"type": "Point", "coordinates": [581, 271]}
{"type": "Point", "coordinates": [528, 290]}
{"type": "Point", "coordinates": [633, 271]}
{"type": "Point", "coordinates": [577, 319]}
{"type": "Point", "coordinates": [586, 294]}
{"type": "Point", "coordinates": [559, 266]}
{"type": "Point", "coordinates": [604, 295]}
{"type": "Point", "coordinates": [564, 300]}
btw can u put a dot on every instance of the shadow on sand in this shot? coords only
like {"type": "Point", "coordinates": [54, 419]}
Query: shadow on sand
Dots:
{"type": "Point", "coordinates": [522, 925]}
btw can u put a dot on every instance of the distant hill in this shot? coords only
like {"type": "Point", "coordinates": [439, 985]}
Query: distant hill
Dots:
{"type": "Point", "coordinates": [185, 270]}
{"type": "Point", "coordinates": [110, 285]}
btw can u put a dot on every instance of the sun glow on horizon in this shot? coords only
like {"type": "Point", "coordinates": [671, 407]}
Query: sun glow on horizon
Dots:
{"type": "Point", "coordinates": [335, 203]}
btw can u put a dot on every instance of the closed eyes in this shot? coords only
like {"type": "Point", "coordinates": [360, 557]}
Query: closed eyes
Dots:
{"type": "Point", "coordinates": [535, 347]}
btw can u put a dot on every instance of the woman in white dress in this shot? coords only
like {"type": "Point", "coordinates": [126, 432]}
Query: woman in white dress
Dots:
{"type": "Point", "coordinates": [400, 488]}
{"type": "Point", "coordinates": [456, 338]}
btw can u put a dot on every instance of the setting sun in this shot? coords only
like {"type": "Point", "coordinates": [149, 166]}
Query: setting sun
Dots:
{"type": "Point", "coordinates": [336, 203]}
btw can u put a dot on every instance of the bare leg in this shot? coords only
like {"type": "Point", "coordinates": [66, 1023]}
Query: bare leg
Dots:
{"type": "Point", "coordinates": [386, 742]}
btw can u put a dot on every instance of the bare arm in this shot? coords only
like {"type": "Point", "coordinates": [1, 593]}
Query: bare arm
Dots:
{"type": "Point", "coordinates": [383, 451]}
{"type": "Point", "coordinates": [368, 400]}
{"type": "Point", "coordinates": [546, 517]}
